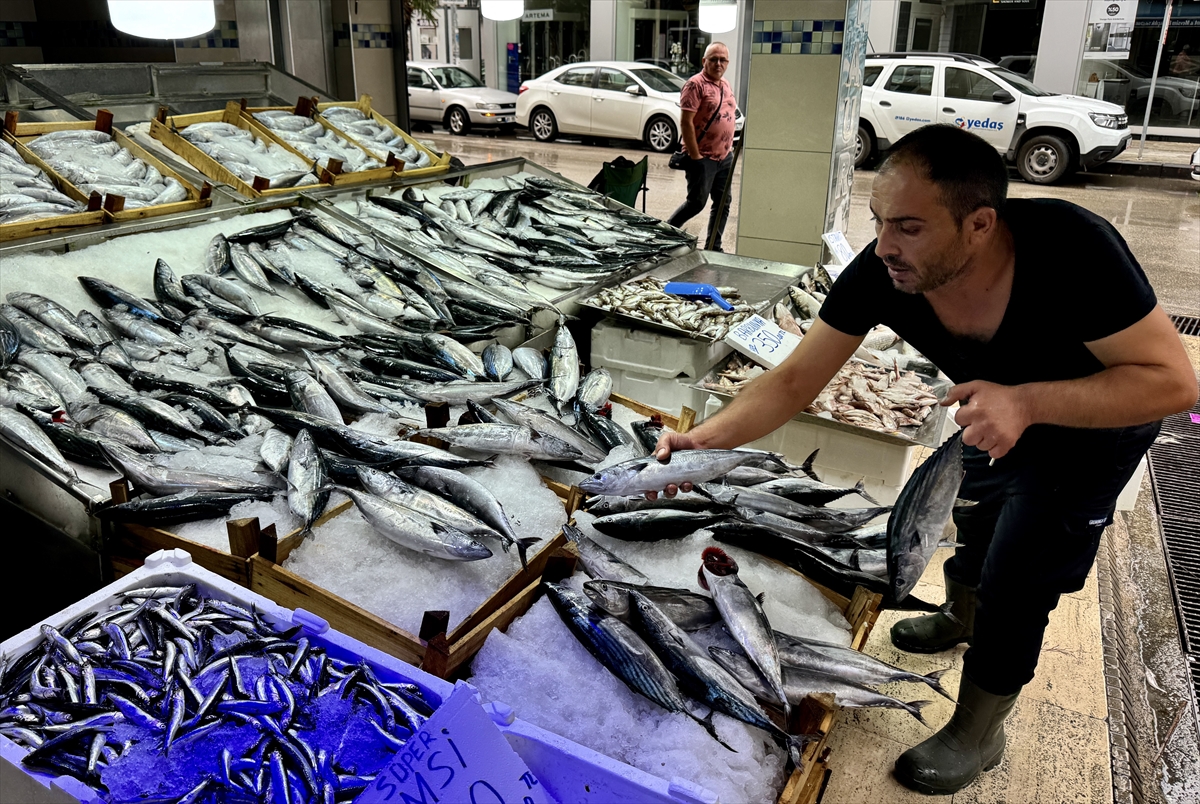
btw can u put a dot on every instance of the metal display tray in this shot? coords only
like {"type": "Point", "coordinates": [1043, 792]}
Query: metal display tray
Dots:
{"type": "Point", "coordinates": [761, 284]}
{"type": "Point", "coordinates": [929, 434]}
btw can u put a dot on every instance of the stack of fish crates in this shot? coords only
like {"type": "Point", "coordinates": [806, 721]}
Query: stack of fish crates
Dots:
{"type": "Point", "coordinates": [655, 367]}
{"type": "Point", "coordinates": [569, 772]}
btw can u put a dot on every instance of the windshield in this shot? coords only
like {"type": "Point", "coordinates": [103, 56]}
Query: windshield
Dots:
{"type": "Point", "coordinates": [658, 79]}
{"type": "Point", "coordinates": [1023, 84]}
{"type": "Point", "coordinates": [454, 78]}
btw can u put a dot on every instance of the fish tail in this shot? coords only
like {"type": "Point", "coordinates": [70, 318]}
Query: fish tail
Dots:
{"type": "Point", "coordinates": [707, 723]}
{"type": "Point", "coordinates": [795, 747]}
{"type": "Point", "coordinates": [914, 708]}
{"type": "Point", "coordinates": [572, 533]}
{"type": "Point", "coordinates": [861, 491]}
{"type": "Point", "coordinates": [934, 680]}
{"type": "Point", "coordinates": [522, 546]}
{"type": "Point", "coordinates": [807, 466]}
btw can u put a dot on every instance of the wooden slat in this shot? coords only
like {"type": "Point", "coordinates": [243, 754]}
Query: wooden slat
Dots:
{"type": "Point", "coordinates": [647, 410]}
{"type": "Point", "coordinates": [330, 176]}
{"type": "Point", "coordinates": [441, 162]}
{"type": "Point", "coordinates": [465, 649]}
{"type": "Point", "coordinates": [138, 541]}
{"type": "Point", "coordinates": [290, 590]}
{"type": "Point", "coordinates": [59, 223]}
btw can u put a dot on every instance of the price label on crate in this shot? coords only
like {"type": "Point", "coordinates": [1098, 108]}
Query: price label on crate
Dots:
{"type": "Point", "coordinates": [842, 253]}
{"type": "Point", "coordinates": [762, 341]}
{"type": "Point", "coordinates": [459, 755]}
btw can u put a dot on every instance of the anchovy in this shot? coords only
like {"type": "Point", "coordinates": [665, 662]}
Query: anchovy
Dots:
{"type": "Point", "coordinates": [744, 617]}
{"type": "Point", "coordinates": [416, 531]}
{"type": "Point", "coordinates": [641, 475]}
{"type": "Point", "coordinates": [308, 493]}
{"type": "Point", "coordinates": [799, 683]}
{"type": "Point", "coordinates": [922, 510]}
{"type": "Point", "coordinates": [470, 495]}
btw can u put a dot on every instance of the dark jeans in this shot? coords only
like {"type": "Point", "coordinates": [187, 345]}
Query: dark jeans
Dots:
{"type": "Point", "coordinates": [1033, 536]}
{"type": "Point", "coordinates": [705, 178]}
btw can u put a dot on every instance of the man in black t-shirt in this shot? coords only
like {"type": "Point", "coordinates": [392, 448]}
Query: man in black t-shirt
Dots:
{"type": "Point", "coordinates": [1064, 366]}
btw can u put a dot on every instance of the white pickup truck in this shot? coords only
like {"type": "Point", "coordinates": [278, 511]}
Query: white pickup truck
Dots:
{"type": "Point", "coordinates": [1045, 135]}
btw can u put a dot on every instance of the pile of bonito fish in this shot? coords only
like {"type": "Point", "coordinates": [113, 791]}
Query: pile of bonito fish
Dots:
{"type": "Point", "coordinates": [646, 299]}
{"type": "Point", "coordinates": [640, 632]}
{"type": "Point", "coordinates": [94, 162]}
{"type": "Point", "coordinates": [376, 137]}
{"type": "Point", "coordinates": [172, 694]}
{"type": "Point", "coordinates": [26, 192]}
{"type": "Point", "coordinates": [539, 228]}
{"type": "Point", "coordinates": [247, 156]}
{"type": "Point", "coordinates": [315, 141]}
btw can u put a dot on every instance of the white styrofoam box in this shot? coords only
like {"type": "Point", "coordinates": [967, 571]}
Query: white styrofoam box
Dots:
{"type": "Point", "coordinates": [859, 455]}
{"type": "Point", "coordinates": [653, 353]}
{"type": "Point", "coordinates": [1127, 499]}
{"type": "Point", "coordinates": [569, 771]}
{"type": "Point", "coordinates": [665, 393]}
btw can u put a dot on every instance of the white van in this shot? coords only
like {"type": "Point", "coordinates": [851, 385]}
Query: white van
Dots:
{"type": "Point", "coordinates": [1045, 135]}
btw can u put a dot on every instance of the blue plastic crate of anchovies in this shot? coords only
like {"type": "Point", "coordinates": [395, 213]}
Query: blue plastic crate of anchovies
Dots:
{"type": "Point", "coordinates": [175, 685]}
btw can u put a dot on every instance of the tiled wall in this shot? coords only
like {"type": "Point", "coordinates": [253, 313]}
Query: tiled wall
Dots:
{"type": "Point", "coordinates": [359, 34]}
{"type": "Point", "coordinates": [798, 37]}
{"type": "Point", "coordinates": [18, 34]}
{"type": "Point", "coordinates": [224, 35]}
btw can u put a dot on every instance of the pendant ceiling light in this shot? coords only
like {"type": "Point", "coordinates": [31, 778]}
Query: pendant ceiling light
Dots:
{"type": "Point", "coordinates": [718, 16]}
{"type": "Point", "coordinates": [163, 19]}
{"type": "Point", "coordinates": [501, 10]}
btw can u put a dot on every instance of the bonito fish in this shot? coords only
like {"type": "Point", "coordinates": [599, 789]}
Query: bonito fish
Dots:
{"type": "Point", "coordinates": [921, 513]}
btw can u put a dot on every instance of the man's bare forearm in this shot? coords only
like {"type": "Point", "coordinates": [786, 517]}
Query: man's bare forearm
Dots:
{"type": "Point", "coordinates": [1121, 396]}
{"type": "Point", "coordinates": [687, 129]}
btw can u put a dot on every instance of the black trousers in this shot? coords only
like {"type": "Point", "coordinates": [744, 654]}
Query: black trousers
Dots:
{"type": "Point", "coordinates": [706, 178]}
{"type": "Point", "coordinates": [1033, 536]}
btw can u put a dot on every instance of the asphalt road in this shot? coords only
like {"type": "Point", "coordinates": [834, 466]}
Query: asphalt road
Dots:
{"type": "Point", "coordinates": [1160, 220]}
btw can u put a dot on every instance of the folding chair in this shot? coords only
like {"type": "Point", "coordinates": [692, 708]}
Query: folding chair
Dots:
{"type": "Point", "coordinates": [622, 180]}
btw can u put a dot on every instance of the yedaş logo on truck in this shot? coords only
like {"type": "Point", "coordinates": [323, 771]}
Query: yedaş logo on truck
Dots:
{"type": "Point", "coordinates": [987, 123]}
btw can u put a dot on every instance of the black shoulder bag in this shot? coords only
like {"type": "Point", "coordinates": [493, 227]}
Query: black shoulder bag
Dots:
{"type": "Point", "coordinates": [680, 159]}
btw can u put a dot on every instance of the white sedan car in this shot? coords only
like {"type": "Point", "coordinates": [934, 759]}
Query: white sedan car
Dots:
{"type": "Point", "coordinates": [621, 99]}
{"type": "Point", "coordinates": [446, 94]}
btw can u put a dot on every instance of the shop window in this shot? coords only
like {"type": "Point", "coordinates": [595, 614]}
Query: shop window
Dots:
{"type": "Point", "coordinates": [969, 85]}
{"type": "Point", "coordinates": [911, 79]}
{"type": "Point", "coordinates": [922, 31]}
{"type": "Point", "coordinates": [870, 74]}
{"type": "Point", "coordinates": [902, 27]}
{"type": "Point", "coordinates": [466, 44]}
{"type": "Point", "coordinates": [577, 78]}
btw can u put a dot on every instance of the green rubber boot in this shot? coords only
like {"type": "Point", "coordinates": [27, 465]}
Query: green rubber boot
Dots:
{"type": "Point", "coordinates": [971, 743]}
{"type": "Point", "coordinates": [937, 632]}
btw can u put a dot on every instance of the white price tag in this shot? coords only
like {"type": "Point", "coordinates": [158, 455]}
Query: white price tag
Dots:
{"type": "Point", "coordinates": [839, 247]}
{"type": "Point", "coordinates": [762, 341]}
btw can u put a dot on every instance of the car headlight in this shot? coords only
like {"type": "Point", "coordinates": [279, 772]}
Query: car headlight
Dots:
{"type": "Point", "coordinates": [1117, 121]}
{"type": "Point", "coordinates": [490, 107]}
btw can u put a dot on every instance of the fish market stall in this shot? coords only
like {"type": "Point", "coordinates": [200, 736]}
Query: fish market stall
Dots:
{"type": "Point", "coordinates": [169, 724]}
{"type": "Point", "coordinates": [357, 121]}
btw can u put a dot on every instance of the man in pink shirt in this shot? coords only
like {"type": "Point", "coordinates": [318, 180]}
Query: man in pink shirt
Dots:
{"type": "Point", "coordinates": [707, 127]}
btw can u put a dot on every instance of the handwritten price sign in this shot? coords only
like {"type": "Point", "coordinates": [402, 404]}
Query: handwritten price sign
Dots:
{"type": "Point", "coordinates": [458, 756]}
{"type": "Point", "coordinates": [762, 341]}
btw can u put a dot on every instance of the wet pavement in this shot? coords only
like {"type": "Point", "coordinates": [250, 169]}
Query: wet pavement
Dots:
{"type": "Point", "coordinates": [1159, 219]}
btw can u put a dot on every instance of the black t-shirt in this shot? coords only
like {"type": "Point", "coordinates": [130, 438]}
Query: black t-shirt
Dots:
{"type": "Point", "coordinates": [1074, 281]}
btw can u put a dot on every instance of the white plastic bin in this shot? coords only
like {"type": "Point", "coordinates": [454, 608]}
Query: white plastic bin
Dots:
{"type": "Point", "coordinates": [665, 393]}
{"type": "Point", "coordinates": [653, 353]}
{"type": "Point", "coordinates": [570, 772]}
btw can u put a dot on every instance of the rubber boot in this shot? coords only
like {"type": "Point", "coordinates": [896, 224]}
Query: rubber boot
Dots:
{"type": "Point", "coordinates": [937, 632]}
{"type": "Point", "coordinates": [971, 743]}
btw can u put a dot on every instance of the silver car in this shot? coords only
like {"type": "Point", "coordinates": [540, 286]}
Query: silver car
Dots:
{"type": "Point", "coordinates": [448, 94]}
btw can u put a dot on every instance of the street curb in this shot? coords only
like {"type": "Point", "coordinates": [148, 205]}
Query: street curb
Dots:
{"type": "Point", "coordinates": [1149, 170]}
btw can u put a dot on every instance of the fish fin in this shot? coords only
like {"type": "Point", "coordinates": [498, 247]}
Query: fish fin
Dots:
{"type": "Point", "coordinates": [522, 546]}
{"type": "Point", "coordinates": [934, 680]}
{"type": "Point", "coordinates": [914, 708]}
{"type": "Point", "coordinates": [707, 723]}
{"type": "Point", "coordinates": [861, 490]}
{"type": "Point", "coordinates": [807, 466]}
{"type": "Point", "coordinates": [761, 597]}
{"type": "Point", "coordinates": [572, 533]}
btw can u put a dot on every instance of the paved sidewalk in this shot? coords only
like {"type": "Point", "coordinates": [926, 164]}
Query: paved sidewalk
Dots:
{"type": "Point", "coordinates": [1167, 153]}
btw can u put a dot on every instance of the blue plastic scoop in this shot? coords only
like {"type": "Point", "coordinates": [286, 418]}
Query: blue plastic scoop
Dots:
{"type": "Point", "coordinates": [697, 290]}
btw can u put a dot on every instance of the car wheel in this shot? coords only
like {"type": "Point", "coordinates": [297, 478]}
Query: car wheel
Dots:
{"type": "Point", "coordinates": [660, 135]}
{"type": "Point", "coordinates": [864, 147]}
{"type": "Point", "coordinates": [458, 121]}
{"type": "Point", "coordinates": [1044, 159]}
{"type": "Point", "coordinates": [543, 125]}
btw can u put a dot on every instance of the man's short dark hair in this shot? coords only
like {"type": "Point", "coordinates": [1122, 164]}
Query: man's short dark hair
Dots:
{"type": "Point", "coordinates": [967, 170]}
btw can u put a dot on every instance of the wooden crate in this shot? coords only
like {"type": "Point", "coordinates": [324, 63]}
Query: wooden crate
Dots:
{"type": "Point", "coordinates": [441, 162]}
{"type": "Point", "coordinates": [332, 175]}
{"type": "Point", "coordinates": [128, 544]}
{"type": "Point", "coordinates": [165, 129]}
{"type": "Point", "coordinates": [435, 649]}
{"type": "Point", "coordinates": [114, 205]}
{"type": "Point", "coordinates": [91, 216]}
